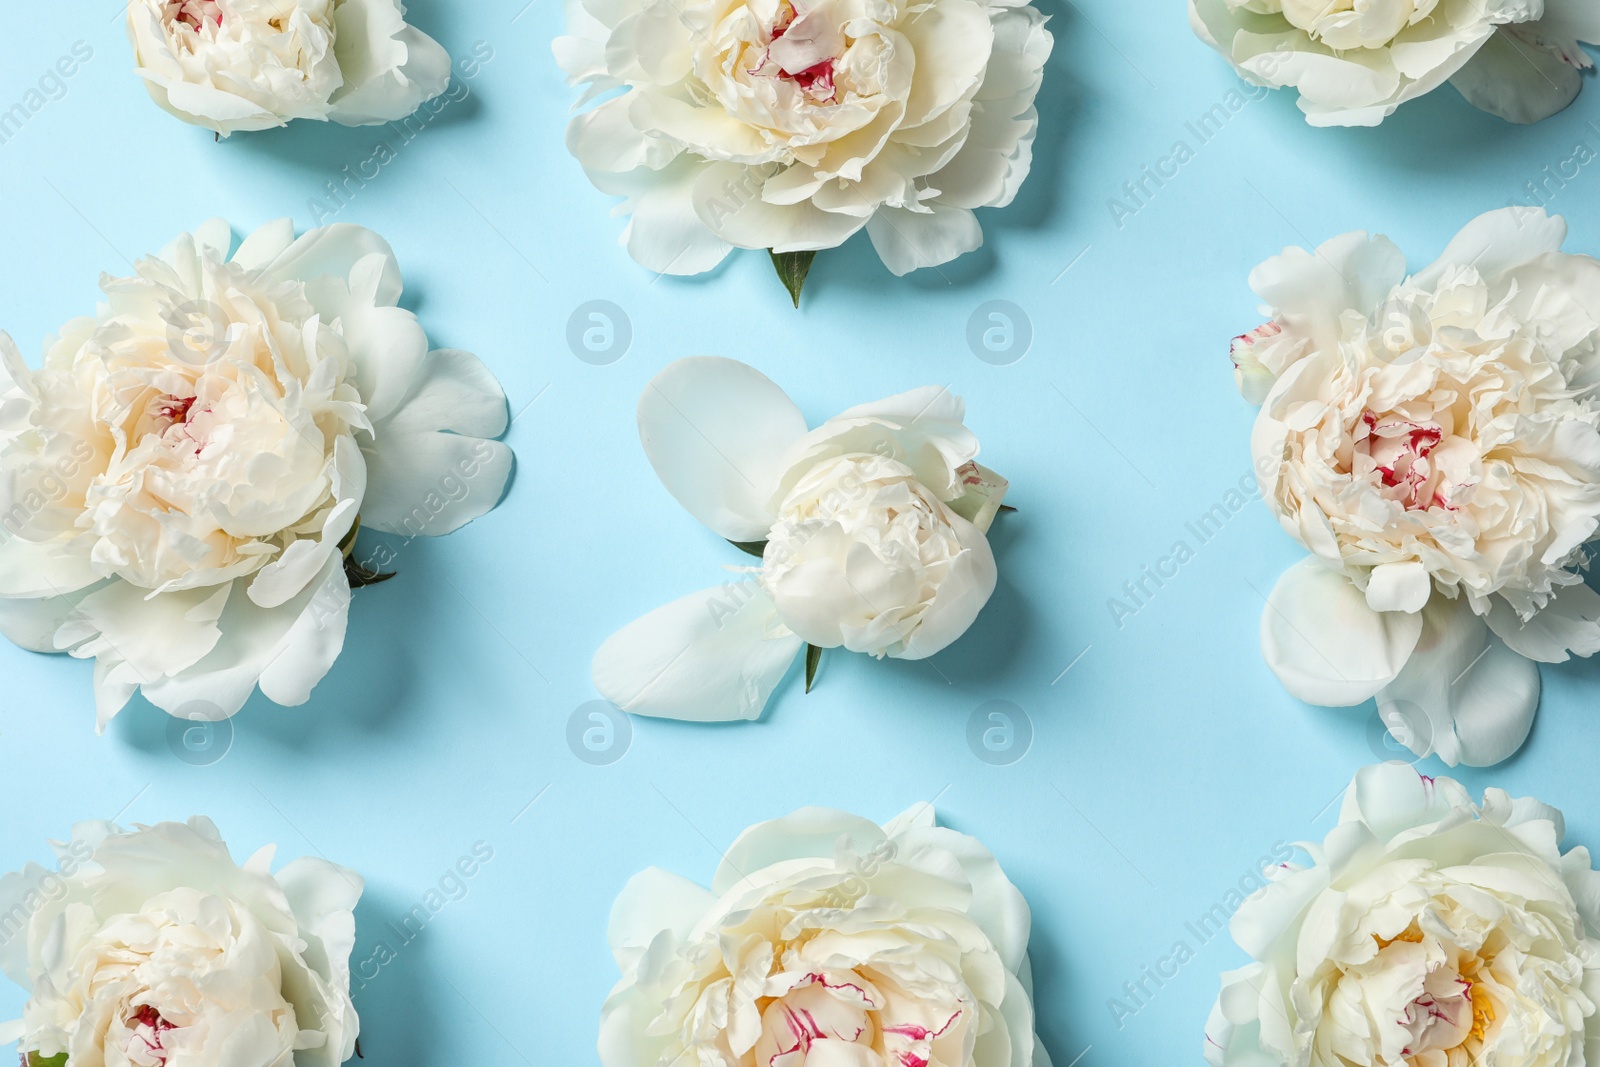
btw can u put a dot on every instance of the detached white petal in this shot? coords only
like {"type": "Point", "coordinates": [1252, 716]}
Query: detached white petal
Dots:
{"type": "Point", "coordinates": [1325, 644]}
{"type": "Point", "coordinates": [712, 656]}
{"type": "Point", "coordinates": [1463, 695]}
{"type": "Point", "coordinates": [715, 430]}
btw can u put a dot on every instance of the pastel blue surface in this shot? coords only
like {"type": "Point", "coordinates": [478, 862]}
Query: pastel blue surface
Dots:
{"type": "Point", "coordinates": [1165, 761]}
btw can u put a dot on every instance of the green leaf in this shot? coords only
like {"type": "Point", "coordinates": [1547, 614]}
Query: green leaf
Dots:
{"type": "Point", "coordinates": [792, 268]}
{"type": "Point", "coordinates": [757, 549]}
{"type": "Point", "coordinates": [813, 661]}
{"type": "Point", "coordinates": [58, 1060]}
{"type": "Point", "coordinates": [1007, 507]}
{"type": "Point", "coordinates": [359, 576]}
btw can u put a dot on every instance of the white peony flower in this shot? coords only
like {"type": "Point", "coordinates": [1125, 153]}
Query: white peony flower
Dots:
{"type": "Point", "coordinates": [826, 939]}
{"type": "Point", "coordinates": [179, 482]}
{"type": "Point", "coordinates": [791, 125]}
{"type": "Point", "coordinates": [1354, 61]}
{"type": "Point", "coordinates": [233, 65]}
{"type": "Point", "coordinates": [870, 528]}
{"type": "Point", "coordinates": [1434, 440]}
{"type": "Point", "coordinates": [152, 948]}
{"type": "Point", "coordinates": [1427, 932]}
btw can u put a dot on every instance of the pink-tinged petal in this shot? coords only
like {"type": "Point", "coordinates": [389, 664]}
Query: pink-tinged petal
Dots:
{"type": "Point", "coordinates": [716, 432]}
{"type": "Point", "coordinates": [1325, 644]}
{"type": "Point", "coordinates": [1391, 798]}
{"type": "Point", "coordinates": [1569, 625]}
{"type": "Point", "coordinates": [1463, 696]}
{"type": "Point", "coordinates": [712, 656]}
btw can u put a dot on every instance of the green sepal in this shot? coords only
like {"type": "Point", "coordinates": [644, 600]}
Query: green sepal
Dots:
{"type": "Point", "coordinates": [36, 1060]}
{"type": "Point", "coordinates": [792, 268]}
{"type": "Point", "coordinates": [813, 661]}
{"type": "Point", "coordinates": [359, 576]}
{"type": "Point", "coordinates": [757, 549]}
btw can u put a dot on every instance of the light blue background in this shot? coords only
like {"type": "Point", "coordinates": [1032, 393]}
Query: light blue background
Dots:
{"type": "Point", "coordinates": [1166, 760]}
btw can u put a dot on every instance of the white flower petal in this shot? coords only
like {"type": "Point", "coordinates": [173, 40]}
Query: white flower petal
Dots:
{"type": "Point", "coordinates": [431, 467]}
{"type": "Point", "coordinates": [655, 900]}
{"type": "Point", "coordinates": [287, 650]}
{"type": "Point", "coordinates": [810, 833]}
{"type": "Point", "coordinates": [1498, 241]}
{"type": "Point", "coordinates": [1325, 644]}
{"type": "Point", "coordinates": [333, 251]}
{"type": "Point", "coordinates": [1463, 695]}
{"type": "Point", "coordinates": [1517, 81]}
{"type": "Point", "coordinates": [716, 432]}
{"type": "Point", "coordinates": [1566, 626]}
{"type": "Point", "coordinates": [712, 656]}
{"type": "Point", "coordinates": [908, 240]}
{"type": "Point", "coordinates": [962, 594]}
{"type": "Point", "coordinates": [1399, 587]}
{"type": "Point", "coordinates": [378, 92]}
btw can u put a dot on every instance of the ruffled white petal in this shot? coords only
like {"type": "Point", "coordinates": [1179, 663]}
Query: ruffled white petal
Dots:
{"type": "Point", "coordinates": [1569, 625]}
{"type": "Point", "coordinates": [432, 465]}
